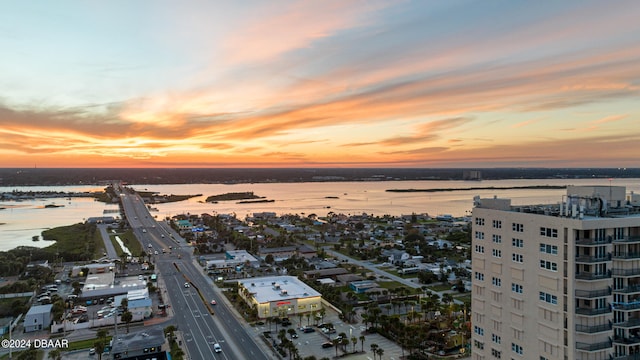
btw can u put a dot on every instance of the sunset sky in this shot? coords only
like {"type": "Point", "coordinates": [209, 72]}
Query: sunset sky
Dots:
{"type": "Point", "coordinates": [362, 83]}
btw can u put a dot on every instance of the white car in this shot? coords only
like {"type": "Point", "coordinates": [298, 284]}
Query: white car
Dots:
{"type": "Point", "coordinates": [187, 285]}
{"type": "Point", "coordinates": [217, 348]}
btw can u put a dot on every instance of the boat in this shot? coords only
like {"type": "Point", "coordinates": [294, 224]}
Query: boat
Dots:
{"type": "Point", "coordinates": [48, 206]}
{"type": "Point", "coordinates": [35, 238]}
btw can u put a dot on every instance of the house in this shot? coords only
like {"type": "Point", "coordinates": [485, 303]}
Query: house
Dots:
{"type": "Point", "coordinates": [38, 318]}
{"type": "Point", "coordinates": [395, 256]}
{"type": "Point", "coordinates": [325, 273]}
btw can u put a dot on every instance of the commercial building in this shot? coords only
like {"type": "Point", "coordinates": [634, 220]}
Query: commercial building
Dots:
{"type": "Point", "coordinates": [234, 260]}
{"type": "Point", "coordinates": [279, 296]}
{"type": "Point", "coordinates": [37, 318]}
{"type": "Point", "coordinates": [148, 344]}
{"type": "Point", "coordinates": [557, 281]}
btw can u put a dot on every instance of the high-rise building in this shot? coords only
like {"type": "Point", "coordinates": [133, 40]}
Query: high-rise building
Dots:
{"type": "Point", "coordinates": [557, 281]}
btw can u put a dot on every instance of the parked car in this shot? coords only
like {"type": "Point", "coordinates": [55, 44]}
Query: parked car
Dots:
{"type": "Point", "coordinates": [308, 329]}
{"type": "Point", "coordinates": [187, 285]}
{"type": "Point", "coordinates": [327, 344]}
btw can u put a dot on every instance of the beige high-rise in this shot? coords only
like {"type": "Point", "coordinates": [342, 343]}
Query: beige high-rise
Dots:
{"type": "Point", "coordinates": [557, 281]}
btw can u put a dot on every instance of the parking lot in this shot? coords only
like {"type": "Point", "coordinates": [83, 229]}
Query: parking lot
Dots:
{"type": "Point", "coordinates": [310, 344]}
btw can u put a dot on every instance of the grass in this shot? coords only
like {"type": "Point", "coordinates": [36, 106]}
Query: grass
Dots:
{"type": "Point", "coordinates": [129, 240]}
{"type": "Point", "coordinates": [74, 242]}
{"type": "Point", "coordinates": [439, 287]}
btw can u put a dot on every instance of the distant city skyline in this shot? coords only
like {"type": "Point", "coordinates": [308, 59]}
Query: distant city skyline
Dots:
{"type": "Point", "coordinates": [319, 84]}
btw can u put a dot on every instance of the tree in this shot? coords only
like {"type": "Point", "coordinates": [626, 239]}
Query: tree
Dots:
{"type": "Point", "coordinates": [291, 333]}
{"type": "Point", "coordinates": [362, 338]}
{"type": "Point", "coordinates": [374, 347]}
{"type": "Point", "coordinates": [55, 354]}
{"type": "Point", "coordinates": [354, 341]}
{"type": "Point", "coordinates": [269, 259]}
{"type": "Point", "coordinates": [100, 343]}
{"type": "Point", "coordinates": [380, 351]}
{"type": "Point", "coordinates": [127, 316]}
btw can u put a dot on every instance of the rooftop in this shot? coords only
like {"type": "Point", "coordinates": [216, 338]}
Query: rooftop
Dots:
{"type": "Point", "coordinates": [275, 288]}
{"type": "Point", "coordinates": [148, 338]}
{"type": "Point", "coordinates": [579, 202]}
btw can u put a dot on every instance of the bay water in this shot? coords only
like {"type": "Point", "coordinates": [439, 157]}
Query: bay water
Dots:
{"type": "Point", "coordinates": [21, 221]}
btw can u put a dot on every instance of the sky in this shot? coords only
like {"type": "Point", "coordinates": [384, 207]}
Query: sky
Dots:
{"type": "Point", "coordinates": [346, 83]}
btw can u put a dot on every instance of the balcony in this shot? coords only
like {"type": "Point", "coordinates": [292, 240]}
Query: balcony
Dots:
{"type": "Point", "coordinates": [593, 276]}
{"type": "Point", "coordinates": [592, 329]}
{"type": "Point", "coordinates": [593, 312]}
{"type": "Point", "coordinates": [630, 323]}
{"type": "Point", "coordinates": [626, 255]}
{"type": "Point", "coordinates": [593, 346]}
{"type": "Point", "coordinates": [627, 239]}
{"type": "Point", "coordinates": [628, 289]}
{"type": "Point", "coordinates": [591, 294]}
{"type": "Point", "coordinates": [593, 259]}
{"type": "Point", "coordinates": [590, 241]}
{"type": "Point", "coordinates": [625, 272]}
{"type": "Point", "coordinates": [635, 305]}
{"type": "Point", "coordinates": [626, 340]}
{"type": "Point", "coordinates": [626, 357]}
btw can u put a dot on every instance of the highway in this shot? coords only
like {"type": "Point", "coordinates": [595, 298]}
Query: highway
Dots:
{"type": "Point", "coordinates": [193, 317]}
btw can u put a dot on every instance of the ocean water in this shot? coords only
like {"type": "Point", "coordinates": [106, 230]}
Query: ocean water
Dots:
{"type": "Point", "coordinates": [20, 221]}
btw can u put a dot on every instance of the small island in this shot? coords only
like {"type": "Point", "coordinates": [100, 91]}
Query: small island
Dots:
{"type": "Point", "coordinates": [248, 195]}
{"type": "Point", "coordinates": [531, 187]}
{"type": "Point", "coordinates": [255, 201]}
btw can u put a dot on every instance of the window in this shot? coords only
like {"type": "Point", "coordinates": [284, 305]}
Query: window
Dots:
{"type": "Point", "coordinates": [496, 281]}
{"type": "Point", "coordinates": [549, 249]}
{"type": "Point", "coordinates": [497, 253]}
{"type": "Point", "coordinates": [517, 227]}
{"type": "Point", "coordinates": [497, 224]}
{"type": "Point", "coordinates": [517, 349]}
{"type": "Point", "coordinates": [480, 249]}
{"type": "Point", "coordinates": [495, 338]}
{"type": "Point", "coordinates": [496, 354]}
{"type": "Point", "coordinates": [517, 243]}
{"type": "Point", "coordinates": [479, 235]}
{"type": "Point", "coordinates": [548, 265]}
{"type": "Point", "coordinates": [497, 239]}
{"type": "Point", "coordinates": [548, 298]}
{"type": "Point", "coordinates": [478, 344]}
{"type": "Point", "coordinates": [519, 258]}
{"type": "Point", "coordinates": [516, 288]}
{"type": "Point", "coordinates": [480, 221]}
{"type": "Point", "coordinates": [479, 276]}
{"type": "Point", "coordinates": [548, 232]}
{"type": "Point", "coordinates": [478, 330]}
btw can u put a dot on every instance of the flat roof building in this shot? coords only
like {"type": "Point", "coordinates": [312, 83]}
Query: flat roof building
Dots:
{"type": "Point", "coordinates": [279, 295]}
{"type": "Point", "coordinates": [557, 281]}
{"type": "Point", "coordinates": [147, 344]}
{"type": "Point", "coordinates": [37, 318]}
{"type": "Point", "coordinates": [106, 285]}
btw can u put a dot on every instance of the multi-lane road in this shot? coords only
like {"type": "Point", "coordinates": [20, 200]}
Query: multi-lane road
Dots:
{"type": "Point", "coordinates": [191, 305]}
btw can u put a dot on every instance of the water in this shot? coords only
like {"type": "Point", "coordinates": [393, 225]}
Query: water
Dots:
{"type": "Point", "coordinates": [23, 220]}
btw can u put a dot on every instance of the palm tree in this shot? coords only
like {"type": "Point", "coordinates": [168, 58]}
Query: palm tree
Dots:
{"type": "Point", "coordinates": [380, 351]}
{"type": "Point", "coordinates": [374, 347]}
{"type": "Point", "coordinates": [354, 341]}
{"type": "Point", "coordinates": [55, 354]}
{"type": "Point", "coordinates": [127, 316]}
{"type": "Point", "coordinates": [362, 342]}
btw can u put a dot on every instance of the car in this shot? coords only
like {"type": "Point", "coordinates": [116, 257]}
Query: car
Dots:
{"type": "Point", "coordinates": [149, 246]}
{"type": "Point", "coordinates": [327, 344]}
{"type": "Point", "coordinates": [213, 302]}
{"type": "Point", "coordinates": [308, 330]}
{"type": "Point", "coordinates": [294, 335]}
{"type": "Point", "coordinates": [187, 285]}
{"type": "Point", "coordinates": [217, 348]}
{"type": "Point", "coordinates": [140, 277]}
{"type": "Point", "coordinates": [92, 351]}
{"type": "Point", "coordinates": [162, 236]}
